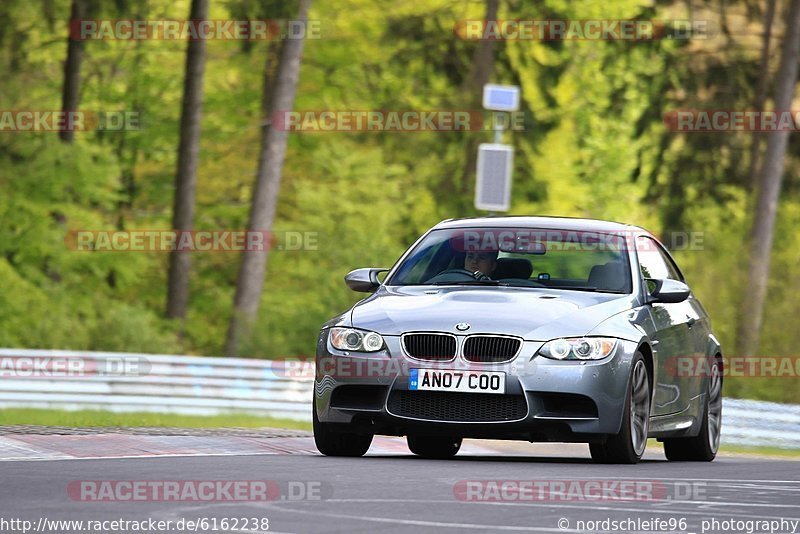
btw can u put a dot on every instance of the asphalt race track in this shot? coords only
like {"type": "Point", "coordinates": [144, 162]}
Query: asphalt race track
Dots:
{"type": "Point", "coordinates": [389, 490]}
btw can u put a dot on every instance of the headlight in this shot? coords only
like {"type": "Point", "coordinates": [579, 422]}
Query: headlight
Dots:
{"type": "Point", "coordinates": [582, 348]}
{"type": "Point", "coordinates": [356, 340]}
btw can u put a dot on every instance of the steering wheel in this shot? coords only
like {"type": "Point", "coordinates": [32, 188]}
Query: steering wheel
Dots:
{"type": "Point", "coordinates": [477, 275]}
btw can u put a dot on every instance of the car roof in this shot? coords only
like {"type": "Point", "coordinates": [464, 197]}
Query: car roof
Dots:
{"type": "Point", "coordinates": [548, 223]}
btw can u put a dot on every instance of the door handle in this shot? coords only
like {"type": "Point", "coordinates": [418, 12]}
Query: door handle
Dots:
{"type": "Point", "coordinates": [690, 321]}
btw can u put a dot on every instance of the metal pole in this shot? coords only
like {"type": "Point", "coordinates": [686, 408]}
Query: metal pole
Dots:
{"type": "Point", "coordinates": [498, 130]}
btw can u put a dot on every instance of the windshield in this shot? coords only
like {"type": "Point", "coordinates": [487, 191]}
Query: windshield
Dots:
{"type": "Point", "coordinates": [521, 257]}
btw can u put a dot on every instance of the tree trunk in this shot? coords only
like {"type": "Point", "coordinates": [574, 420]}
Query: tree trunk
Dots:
{"type": "Point", "coordinates": [761, 95]}
{"type": "Point", "coordinates": [482, 59]}
{"type": "Point", "coordinates": [265, 196]}
{"type": "Point", "coordinates": [186, 175]}
{"type": "Point", "coordinates": [769, 191]}
{"type": "Point", "coordinates": [480, 72]}
{"type": "Point", "coordinates": [70, 96]}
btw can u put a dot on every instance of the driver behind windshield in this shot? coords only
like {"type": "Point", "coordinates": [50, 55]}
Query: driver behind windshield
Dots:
{"type": "Point", "coordinates": [484, 261]}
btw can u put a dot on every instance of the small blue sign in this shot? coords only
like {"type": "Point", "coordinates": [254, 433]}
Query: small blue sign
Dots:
{"type": "Point", "coordinates": [501, 97]}
{"type": "Point", "coordinates": [413, 379]}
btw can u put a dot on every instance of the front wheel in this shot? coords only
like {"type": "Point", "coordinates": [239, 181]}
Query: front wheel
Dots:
{"type": "Point", "coordinates": [335, 442]}
{"type": "Point", "coordinates": [627, 447]}
{"type": "Point", "coordinates": [704, 446]}
{"type": "Point", "coordinates": [434, 446]}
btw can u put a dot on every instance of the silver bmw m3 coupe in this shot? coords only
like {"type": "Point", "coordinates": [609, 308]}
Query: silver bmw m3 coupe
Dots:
{"type": "Point", "coordinates": [525, 328]}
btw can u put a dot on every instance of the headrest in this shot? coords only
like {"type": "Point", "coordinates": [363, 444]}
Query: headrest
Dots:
{"type": "Point", "coordinates": [512, 268]}
{"type": "Point", "coordinates": [610, 276]}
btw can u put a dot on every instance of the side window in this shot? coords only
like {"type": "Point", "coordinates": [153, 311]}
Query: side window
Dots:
{"type": "Point", "coordinates": [653, 262]}
{"type": "Point", "coordinates": [674, 274]}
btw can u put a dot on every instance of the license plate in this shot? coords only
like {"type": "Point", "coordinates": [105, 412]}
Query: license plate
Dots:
{"type": "Point", "coordinates": [458, 381]}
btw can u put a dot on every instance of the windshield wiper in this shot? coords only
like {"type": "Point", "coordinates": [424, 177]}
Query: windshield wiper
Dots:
{"type": "Point", "coordinates": [587, 288]}
{"type": "Point", "coordinates": [471, 283]}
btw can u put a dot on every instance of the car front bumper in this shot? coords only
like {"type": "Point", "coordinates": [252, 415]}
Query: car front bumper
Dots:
{"type": "Point", "coordinates": [545, 400]}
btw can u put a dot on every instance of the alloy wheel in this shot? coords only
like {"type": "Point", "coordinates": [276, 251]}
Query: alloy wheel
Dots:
{"type": "Point", "coordinates": [640, 407]}
{"type": "Point", "coordinates": [714, 408]}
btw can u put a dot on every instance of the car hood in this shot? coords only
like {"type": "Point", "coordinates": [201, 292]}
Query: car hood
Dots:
{"type": "Point", "coordinates": [531, 313]}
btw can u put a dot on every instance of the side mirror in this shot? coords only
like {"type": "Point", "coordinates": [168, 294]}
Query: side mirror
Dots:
{"type": "Point", "coordinates": [668, 291]}
{"type": "Point", "coordinates": [364, 280]}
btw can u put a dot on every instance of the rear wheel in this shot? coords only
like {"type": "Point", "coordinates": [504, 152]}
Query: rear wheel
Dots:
{"type": "Point", "coordinates": [704, 446]}
{"type": "Point", "coordinates": [335, 442]}
{"type": "Point", "coordinates": [627, 447]}
{"type": "Point", "coordinates": [434, 446]}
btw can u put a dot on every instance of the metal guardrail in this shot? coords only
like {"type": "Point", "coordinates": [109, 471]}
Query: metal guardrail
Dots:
{"type": "Point", "coordinates": [122, 382]}
{"type": "Point", "coordinates": [759, 423]}
{"type": "Point", "coordinates": [199, 385]}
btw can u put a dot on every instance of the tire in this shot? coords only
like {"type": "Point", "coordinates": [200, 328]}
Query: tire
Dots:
{"type": "Point", "coordinates": [704, 446]}
{"type": "Point", "coordinates": [434, 446]}
{"type": "Point", "coordinates": [627, 447]}
{"type": "Point", "coordinates": [335, 442]}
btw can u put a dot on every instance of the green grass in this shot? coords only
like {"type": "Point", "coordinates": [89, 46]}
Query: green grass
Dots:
{"type": "Point", "coordinates": [762, 451]}
{"type": "Point", "coordinates": [93, 418]}
{"type": "Point", "coordinates": [96, 418]}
